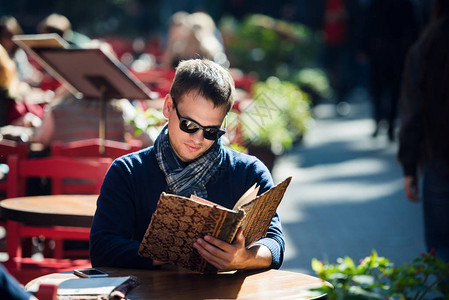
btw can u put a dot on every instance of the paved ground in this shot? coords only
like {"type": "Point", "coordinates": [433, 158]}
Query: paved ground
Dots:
{"type": "Point", "coordinates": [346, 197]}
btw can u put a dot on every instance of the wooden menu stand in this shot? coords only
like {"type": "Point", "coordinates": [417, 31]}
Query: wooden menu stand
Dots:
{"type": "Point", "coordinates": [86, 73]}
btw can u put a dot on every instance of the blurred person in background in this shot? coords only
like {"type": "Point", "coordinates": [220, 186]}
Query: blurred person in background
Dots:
{"type": "Point", "coordinates": [60, 24]}
{"type": "Point", "coordinates": [341, 33]}
{"type": "Point", "coordinates": [193, 36]}
{"type": "Point", "coordinates": [424, 143]}
{"type": "Point", "coordinates": [57, 23]}
{"type": "Point", "coordinates": [14, 109]}
{"type": "Point", "coordinates": [9, 26]}
{"type": "Point", "coordinates": [177, 32]}
{"type": "Point", "coordinates": [390, 29]}
{"type": "Point", "coordinates": [8, 85]}
{"type": "Point", "coordinates": [69, 119]}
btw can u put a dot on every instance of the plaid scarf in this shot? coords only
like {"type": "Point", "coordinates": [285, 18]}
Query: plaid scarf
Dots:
{"type": "Point", "coordinates": [191, 179]}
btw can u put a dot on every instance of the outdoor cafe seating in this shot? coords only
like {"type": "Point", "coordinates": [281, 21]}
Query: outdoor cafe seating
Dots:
{"type": "Point", "coordinates": [59, 169]}
{"type": "Point", "coordinates": [90, 148]}
{"type": "Point", "coordinates": [8, 147]}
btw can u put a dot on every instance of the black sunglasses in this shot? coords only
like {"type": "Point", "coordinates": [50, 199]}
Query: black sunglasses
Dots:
{"type": "Point", "coordinates": [210, 132]}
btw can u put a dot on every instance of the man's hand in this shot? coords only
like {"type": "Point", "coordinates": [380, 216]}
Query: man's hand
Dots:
{"type": "Point", "coordinates": [411, 188]}
{"type": "Point", "coordinates": [233, 256]}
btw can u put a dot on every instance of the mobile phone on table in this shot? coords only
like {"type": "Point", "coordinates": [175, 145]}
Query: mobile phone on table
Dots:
{"type": "Point", "coordinates": [90, 273]}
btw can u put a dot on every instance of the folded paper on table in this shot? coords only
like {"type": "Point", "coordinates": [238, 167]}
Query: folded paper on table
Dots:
{"type": "Point", "coordinates": [178, 221]}
{"type": "Point", "coordinates": [88, 286]}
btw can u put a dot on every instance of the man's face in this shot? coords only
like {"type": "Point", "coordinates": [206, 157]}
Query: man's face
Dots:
{"type": "Point", "coordinates": [189, 147]}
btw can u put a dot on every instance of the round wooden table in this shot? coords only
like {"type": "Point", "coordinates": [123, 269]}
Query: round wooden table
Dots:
{"type": "Point", "coordinates": [168, 282]}
{"type": "Point", "coordinates": [173, 283]}
{"type": "Point", "coordinates": [57, 217]}
{"type": "Point", "coordinates": [52, 210]}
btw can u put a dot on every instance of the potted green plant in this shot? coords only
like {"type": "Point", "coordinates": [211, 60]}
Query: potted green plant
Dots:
{"type": "Point", "coordinates": [270, 123]}
{"type": "Point", "coordinates": [150, 120]}
{"type": "Point", "coordinates": [269, 46]}
{"type": "Point", "coordinates": [314, 82]}
{"type": "Point", "coordinates": [376, 277]}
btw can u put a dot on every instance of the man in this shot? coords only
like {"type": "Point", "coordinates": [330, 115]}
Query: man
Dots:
{"type": "Point", "coordinates": [187, 158]}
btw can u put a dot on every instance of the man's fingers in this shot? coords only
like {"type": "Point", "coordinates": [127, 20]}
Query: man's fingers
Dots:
{"type": "Point", "coordinates": [239, 238]}
{"type": "Point", "coordinates": [217, 243]}
{"type": "Point", "coordinates": [212, 254]}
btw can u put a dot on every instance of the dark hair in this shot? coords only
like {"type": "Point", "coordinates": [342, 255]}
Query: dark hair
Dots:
{"type": "Point", "coordinates": [434, 85]}
{"type": "Point", "coordinates": [206, 78]}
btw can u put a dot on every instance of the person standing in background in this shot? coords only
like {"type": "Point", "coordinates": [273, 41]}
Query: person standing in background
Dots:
{"type": "Point", "coordinates": [390, 29]}
{"type": "Point", "coordinates": [341, 33]}
{"type": "Point", "coordinates": [423, 142]}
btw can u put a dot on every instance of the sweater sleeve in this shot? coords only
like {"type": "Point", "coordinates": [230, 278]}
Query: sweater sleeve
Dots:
{"type": "Point", "coordinates": [411, 130]}
{"type": "Point", "coordinates": [112, 242]}
{"type": "Point", "coordinates": [274, 240]}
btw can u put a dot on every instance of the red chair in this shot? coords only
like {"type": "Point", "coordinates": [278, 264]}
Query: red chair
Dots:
{"type": "Point", "coordinates": [11, 147]}
{"type": "Point", "coordinates": [90, 170]}
{"type": "Point", "coordinates": [7, 148]}
{"type": "Point", "coordinates": [58, 169]}
{"type": "Point", "coordinates": [90, 148]}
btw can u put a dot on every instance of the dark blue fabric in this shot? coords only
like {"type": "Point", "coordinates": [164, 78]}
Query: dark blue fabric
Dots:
{"type": "Point", "coordinates": [10, 288]}
{"type": "Point", "coordinates": [435, 208]}
{"type": "Point", "coordinates": [129, 197]}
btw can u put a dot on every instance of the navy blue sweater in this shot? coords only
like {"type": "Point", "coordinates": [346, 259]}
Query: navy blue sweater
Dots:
{"type": "Point", "coordinates": [130, 193]}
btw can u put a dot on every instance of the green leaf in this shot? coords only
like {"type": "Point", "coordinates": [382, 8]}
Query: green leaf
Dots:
{"type": "Point", "coordinates": [358, 291]}
{"type": "Point", "coordinates": [377, 278]}
{"type": "Point", "coordinates": [364, 279]}
{"type": "Point", "coordinates": [317, 266]}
